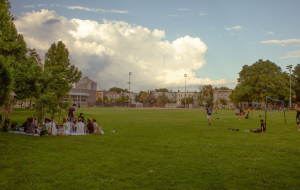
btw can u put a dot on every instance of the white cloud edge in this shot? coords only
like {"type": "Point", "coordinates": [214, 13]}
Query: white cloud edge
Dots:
{"type": "Point", "coordinates": [234, 28]}
{"type": "Point", "coordinates": [28, 6]}
{"type": "Point", "coordinates": [291, 54]}
{"type": "Point", "coordinates": [288, 42]}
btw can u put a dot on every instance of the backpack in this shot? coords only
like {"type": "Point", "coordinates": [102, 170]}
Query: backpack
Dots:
{"type": "Point", "coordinates": [208, 111]}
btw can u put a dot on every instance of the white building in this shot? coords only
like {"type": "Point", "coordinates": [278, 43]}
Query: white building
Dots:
{"type": "Point", "coordinates": [86, 83]}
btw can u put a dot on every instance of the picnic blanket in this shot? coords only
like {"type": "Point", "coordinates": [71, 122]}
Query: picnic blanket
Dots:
{"type": "Point", "coordinates": [24, 133]}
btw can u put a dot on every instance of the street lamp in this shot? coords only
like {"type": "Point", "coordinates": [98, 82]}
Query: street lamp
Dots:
{"type": "Point", "coordinates": [130, 73]}
{"type": "Point", "coordinates": [185, 75]}
{"type": "Point", "coordinates": [289, 67]}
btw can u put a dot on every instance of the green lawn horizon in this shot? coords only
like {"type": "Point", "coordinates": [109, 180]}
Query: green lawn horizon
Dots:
{"type": "Point", "coordinates": [156, 149]}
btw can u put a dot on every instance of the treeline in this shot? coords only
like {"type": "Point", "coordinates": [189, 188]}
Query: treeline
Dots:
{"type": "Point", "coordinates": [23, 72]}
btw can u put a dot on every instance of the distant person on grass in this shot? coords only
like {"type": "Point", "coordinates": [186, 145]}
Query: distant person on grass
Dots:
{"type": "Point", "coordinates": [297, 115]}
{"type": "Point", "coordinates": [263, 126]}
{"type": "Point", "coordinates": [32, 127]}
{"type": "Point", "coordinates": [65, 130]}
{"type": "Point", "coordinates": [237, 112]}
{"type": "Point", "coordinates": [82, 118]}
{"type": "Point", "coordinates": [208, 112]}
{"type": "Point", "coordinates": [79, 126]}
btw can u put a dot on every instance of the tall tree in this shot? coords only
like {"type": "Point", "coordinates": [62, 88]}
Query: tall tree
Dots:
{"type": "Point", "coordinates": [261, 79]}
{"type": "Point", "coordinates": [118, 90]}
{"type": "Point", "coordinates": [296, 83]}
{"type": "Point", "coordinates": [161, 90]}
{"type": "Point", "coordinates": [162, 100]}
{"type": "Point", "coordinates": [206, 95]}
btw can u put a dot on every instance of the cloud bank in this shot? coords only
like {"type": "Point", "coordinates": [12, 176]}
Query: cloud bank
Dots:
{"type": "Point", "coordinates": [107, 51]}
{"type": "Point", "coordinates": [292, 54]}
{"type": "Point", "coordinates": [289, 42]}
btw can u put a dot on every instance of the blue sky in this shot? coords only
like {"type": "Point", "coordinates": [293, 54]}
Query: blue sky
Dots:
{"type": "Point", "coordinates": [235, 32]}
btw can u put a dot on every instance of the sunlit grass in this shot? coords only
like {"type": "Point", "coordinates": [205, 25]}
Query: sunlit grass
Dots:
{"type": "Point", "coordinates": [156, 149]}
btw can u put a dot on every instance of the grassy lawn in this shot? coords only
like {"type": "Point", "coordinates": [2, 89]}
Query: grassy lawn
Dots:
{"type": "Point", "coordinates": [156, 149]}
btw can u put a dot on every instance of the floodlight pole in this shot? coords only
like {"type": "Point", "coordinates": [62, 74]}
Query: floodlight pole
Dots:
{"type": "Point", "coordinates": [185, 75]}
{"type": "Point", "coordinates": [130, 73]}
{"type": "Point", "coordinates": [289, 67]}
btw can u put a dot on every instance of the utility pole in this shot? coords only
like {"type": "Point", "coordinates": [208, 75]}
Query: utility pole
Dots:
{"type": "Point", "coordinates": [185, 75]}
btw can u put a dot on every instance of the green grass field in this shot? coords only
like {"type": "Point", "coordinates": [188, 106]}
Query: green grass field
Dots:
{"type": "Point", "coordinates": [156, 149]}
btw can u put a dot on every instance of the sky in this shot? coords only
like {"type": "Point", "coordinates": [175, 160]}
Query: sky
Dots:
{"type": "Point", "coordinates": [160, 41]}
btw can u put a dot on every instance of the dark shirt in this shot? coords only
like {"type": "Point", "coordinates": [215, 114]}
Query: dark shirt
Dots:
{"type": "Point", "coordinates": [207, 111]}
{"type": "Point", "coordinates": [32, 127]}
{"type": "Point", "coordinates": [298, 113]}
{"type": "Point", "coordinates": [90, 127]}
{"type": "Point", "coordinates": [71, 112]}
{"type": "Point", "coordinates": [263, 126]}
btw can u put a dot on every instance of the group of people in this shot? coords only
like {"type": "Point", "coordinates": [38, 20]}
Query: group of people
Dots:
{"type": "Point", "coordinates": [241, 113]}
{"type": "Point", "coordinates": [70, 125]}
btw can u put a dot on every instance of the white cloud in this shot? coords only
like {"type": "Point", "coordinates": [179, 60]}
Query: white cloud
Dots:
{"type": "Point", "coordinates": [234, 28]}
{"type": "Point", "coordinates": [272, 33]}
{"type": "Point", "coordinates": [185, 9]}
{"type": "Point", "coordinates": [292, 54]}
{"type": "Point", "coordinates": [96, 10]}
{"type": "Point", "coordinates": [42, 5]}
{"type": "Point", "coordinates": [28, 6]}
{"type": "Point", "coordinates": [54, 5]}
{"type": "Point", "coordinates": [289, 42]}
{"type": "Point", "coordinates": [107, 51]}
{"type": "Point", "coordinates": [202, 14]}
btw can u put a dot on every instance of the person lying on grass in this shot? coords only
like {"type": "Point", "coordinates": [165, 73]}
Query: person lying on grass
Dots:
{"type": "Point", "coordinates": [32, 127]}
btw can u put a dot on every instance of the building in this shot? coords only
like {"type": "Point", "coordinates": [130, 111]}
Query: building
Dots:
{"type": "Point", "coordinates": [171, 95]}
{"type": "Point", "coordinates": [182, 95]}
{"type": "Point", "coordinates": [86, 83]}
{"type": "Point", "coordinates": [85, 97]}
{"type": "Point", "coordinates": [222, 94]}
{"type": "Point", "coordinates": [77, 98]}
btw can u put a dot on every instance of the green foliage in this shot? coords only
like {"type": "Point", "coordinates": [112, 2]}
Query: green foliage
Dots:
{"type": "Point", "coordinates": [223, 101]}
{"type": "Point", "coordinates": [296, 83]}
{"type": "Point", "coordinates": [162, 100]}
{"type": "Point", "coordinates": [263, 78]}
{"type": "Point", "coordinates": [161, 90]}
{"type": "Point", "coordinates": [206, 95]}
{"type": "Point", "coordinates": [221, 88]}
{"type": "Point", "coordinates": [6, 81]}
{"type": "Point", "coordinates": [189, 100]}
{"type": "Point", "coordinates": [99, 100]}
{"type": "Point", "coordinates": [149, 99]}
{"type": "Point", "coordinates": [105, 99]}
{"type": "Point", "coordinates": [118, 90]}
{"type": "Point", "coordinates": [142, 96]}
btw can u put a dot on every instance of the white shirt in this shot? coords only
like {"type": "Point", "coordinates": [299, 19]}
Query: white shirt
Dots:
{"type": "Point", "coordinates": [48, 127]}
{"type": "Point", "coordinates": [79, 127]}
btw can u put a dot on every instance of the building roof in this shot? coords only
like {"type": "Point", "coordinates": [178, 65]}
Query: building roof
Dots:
{"type": "Point", "coordinates": [79, 94]}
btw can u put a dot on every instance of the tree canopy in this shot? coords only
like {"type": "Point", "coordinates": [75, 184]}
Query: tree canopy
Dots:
{"type": "Point", "coordinates": [261, 79]}
{"type": "Point", "coordinates": [118, 90]}
{"type": "Point", "coordinates": [206, 95]}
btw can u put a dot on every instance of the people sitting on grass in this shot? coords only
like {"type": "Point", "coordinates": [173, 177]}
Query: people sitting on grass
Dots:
{"type": "Point", "coordinates": [90, 126]}
{"type": "Point", "coordinates": [241, 113]}
{"type": "Point", "coordinates": [98, 130]}
{"type": "Point", "coordinates": [79, 126]}
{"type": "Point", "coordinates": [65, 130]}
{"type": "Point", "coordinates": [32, 127]}
{"type": "Point", "coordinates": [52, 124]}
{"type": "Point", "coordinates": [25, 124]}
{"type": "Point", "coordinates": [82, 118]}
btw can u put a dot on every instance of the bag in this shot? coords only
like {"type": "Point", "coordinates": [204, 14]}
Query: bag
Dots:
{"type": "Point", "coordinates": [209, 111]}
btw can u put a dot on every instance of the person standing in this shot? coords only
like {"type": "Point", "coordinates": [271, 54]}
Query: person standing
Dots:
{"type": "Point", "coordinates": [208, 112]}
{"type": "Point", "coordinates": [297, 115]}
{"type": "Point", "coordinates": [71, 116]}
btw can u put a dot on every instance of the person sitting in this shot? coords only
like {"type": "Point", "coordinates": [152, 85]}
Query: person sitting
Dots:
{"type": "Point", "coordinates": [65, 130]}
{"type": "Point", "coordinates": [237, 112]}
{"type": "Point", "coordinates": [263, 126]}
{"type": "Point", "coordinates": [90, 126]}
{"type": "Point", "coordinates": [73, 130]}
{"type": "Point", "coordinates": [79, 126]}
{"type": "Point", "coordinates": [98, 129]}
{"type": "Point", "coordinates": [25, 124]}
{"type": "Point", "coordinates": [82, 118]}
{"type": "Point", "coordinates": [32, 127]}
{"type": "Point", "coordinates": [51, 126]}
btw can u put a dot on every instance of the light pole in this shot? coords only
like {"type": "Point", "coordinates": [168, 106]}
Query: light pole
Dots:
{"type": "Point", "coordinates": [289, 67]}
{"type": "Point", "coordinates": [185, 75]}
{"type": "Point", "coordinates": [130, 73]}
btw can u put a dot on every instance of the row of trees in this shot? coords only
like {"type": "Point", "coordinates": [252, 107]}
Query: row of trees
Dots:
{"type": "Point", "coordinates": [22, 70]}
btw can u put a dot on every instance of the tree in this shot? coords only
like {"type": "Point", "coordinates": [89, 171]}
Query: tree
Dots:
{"type": "Point", "coordinates": [223, 101]}
{"type": "Point", "coordinates": [162, 100]}
{"type": "Point", "coordinates": [118, 90]}
{"type": "Point", "coordinates": [105, 99]}
{"type": "Point", "coordinates": [62, 73]}
{"type": "Point", "coordinates": [206, 95]}
{"type": "Point", "coordinates": [161, 90]}
{"type": "Point", "coordinates": [12, 55]}
{"type": "Point", "coordinates": [99, 100]}
{"type": "Point", "coordinates": [261, 79]}
{"type": "Point", "coordinates": [189, 100]}
{"type": "Point", "coordinates": [221, 88]}
{"type": "Point", "coordinates": [149, 99]}
{"type": "Point", "coordinates": [142, 96]}
{"type": "Point", "coordinates": [296, 82]}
